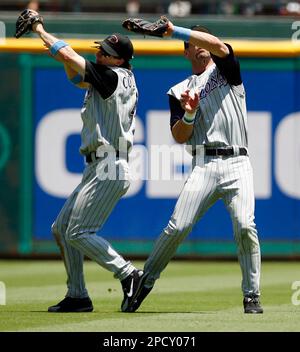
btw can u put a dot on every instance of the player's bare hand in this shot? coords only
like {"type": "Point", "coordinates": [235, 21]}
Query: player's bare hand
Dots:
{"type": "Point", "coordinates": [189, 101]}
{"type": "Point", "coordinates": [170, 30]}
{"type": "Point", "coordinates": [37, 27]}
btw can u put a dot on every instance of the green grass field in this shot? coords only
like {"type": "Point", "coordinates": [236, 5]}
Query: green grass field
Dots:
{"type": "Point", "coordinates": [190, 296]}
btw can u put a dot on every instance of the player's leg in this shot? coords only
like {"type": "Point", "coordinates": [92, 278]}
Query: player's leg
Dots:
{"type": "Point", "coordinates": [198, 194]}
{"type": "Point", "coordinates": [77, 299]}
{"type": "Point", "coordinates": [238, 195]}
{"type": "Point", "coordinates": [73, 259]}
{"type": "Point", "coordinates": [93, 205]}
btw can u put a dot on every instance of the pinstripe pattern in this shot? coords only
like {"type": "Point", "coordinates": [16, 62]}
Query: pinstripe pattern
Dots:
{"type": "Point", "coordinates": [226, 178]}
{"type": "Point", "coordinates": [221, 117]}
{"type": "Point", "coordinates": [221, 120]}
{"type": "Point", "coordinates": [198, 194]}
{"type": "Point", "coordinates": [110, 124]}
{"type": "Point", "coordinates": [84, 213]}
{"type": "Point", "coordinates": [239, 200]}
{"type": "Point", "coordinates": [105, 121]}
{"type": "Point", "coordinates": [73, 259]}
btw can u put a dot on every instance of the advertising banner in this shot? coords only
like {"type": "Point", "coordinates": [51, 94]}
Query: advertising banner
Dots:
{"type": "Point", "coordinates": [274, 127]}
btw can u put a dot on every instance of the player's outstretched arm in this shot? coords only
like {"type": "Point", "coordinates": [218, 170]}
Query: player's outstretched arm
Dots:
{"type": "Point", "coordinates": [75, 77]}
{"type": "Point", "coordinates": [31, 21]}
{"type": "Point", "coordinates": [165, 28]}
{"type": "Point", "coordinates": [58, 47]}
{"type": "Point", "coordinates": [201, 39]}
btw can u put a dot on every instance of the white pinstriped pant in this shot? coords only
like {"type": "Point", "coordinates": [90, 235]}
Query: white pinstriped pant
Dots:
{"type": "Point", "coordinates": [83, 214]}
{"type": "Point", "coordinates": [229, 178]}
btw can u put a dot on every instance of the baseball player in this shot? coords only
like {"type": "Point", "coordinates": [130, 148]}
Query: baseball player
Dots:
{"type": "Point", "coordinates": [108, 116]}
{"type": "Point", "coordinates": [208, 112]}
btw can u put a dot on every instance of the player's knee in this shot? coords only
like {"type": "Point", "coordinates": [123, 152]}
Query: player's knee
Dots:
{"type": "Point", "coordinates": [73, 236]}
{"type": "Point", "coordinates": [247, 235]}
{"type": "Point", "coordinates": [247, 228]}
{"type": "Point", "coordinates": [59, 227]}
{"type": "Point", "coordinates": [69, 237]}
{"type": "Point", "coordinates": [244, 226]}
{"type": "Point", "coordinates": [56, 233]}
{"type": "Point", "coordinates": [54, 229]}
{"type": "Point", "coordinates": [59, 232]}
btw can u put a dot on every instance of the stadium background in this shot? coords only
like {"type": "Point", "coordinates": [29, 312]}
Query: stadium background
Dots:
{"type": "Point", "coordinates": [40, 124]}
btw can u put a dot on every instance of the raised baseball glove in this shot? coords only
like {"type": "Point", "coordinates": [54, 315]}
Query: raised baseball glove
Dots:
{"type": "Point", "coordinates": [25, 21]}
{"type": "Point", "coordinates": [138, 25]}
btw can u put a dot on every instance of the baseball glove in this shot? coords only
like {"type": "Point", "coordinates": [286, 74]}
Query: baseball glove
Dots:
{"type": "Point", "coordinates": [25, 21]}
{"type": "Point", "coordinates": [138, 25]}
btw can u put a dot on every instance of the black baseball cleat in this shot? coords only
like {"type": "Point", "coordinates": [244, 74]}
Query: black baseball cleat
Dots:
{"type": "Point", "coordinates": [252, 305]}
{"type": "Point", "coordinates": [139, 298]}
{"type": "Point", "coordinates": [69, 304]}
{"type": "Point", "coordinates": [131, 286]}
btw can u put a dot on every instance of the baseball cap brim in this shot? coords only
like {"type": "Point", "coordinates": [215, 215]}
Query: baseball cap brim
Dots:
{"type": "Point", "coordinates": [107, 48]}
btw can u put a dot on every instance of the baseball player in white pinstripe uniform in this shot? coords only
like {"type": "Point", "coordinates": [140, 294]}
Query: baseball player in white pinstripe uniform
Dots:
{"type": "Point", "coordinates": [107, 136]}
{"type": "Point", "coordinates": [208, 112]}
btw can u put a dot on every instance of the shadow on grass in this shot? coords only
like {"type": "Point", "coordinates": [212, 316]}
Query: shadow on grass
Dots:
{"type": "Point", "coordinates": [95, 312]}
{"type": "Point", "coordinates": [172, 312]}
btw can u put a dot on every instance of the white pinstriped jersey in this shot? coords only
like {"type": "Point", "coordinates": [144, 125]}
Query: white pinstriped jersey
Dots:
{"type": "Point", "coordinates": [221, 119]}
{"type": "Point", "coordinates": [105, 121]}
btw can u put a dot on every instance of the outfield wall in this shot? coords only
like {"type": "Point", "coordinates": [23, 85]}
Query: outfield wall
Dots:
{"type": "Point", "coordinates": [40, 164]}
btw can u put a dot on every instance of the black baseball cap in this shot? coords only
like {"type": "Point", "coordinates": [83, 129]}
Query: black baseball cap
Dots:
{"type": "Point", "coordinates": [117, 45]}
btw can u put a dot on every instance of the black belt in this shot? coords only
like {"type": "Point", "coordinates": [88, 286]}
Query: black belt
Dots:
{"type": "Point", "coordinates": [93, 156]}
{"type": "Point", "coordinates": [229, 151]}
